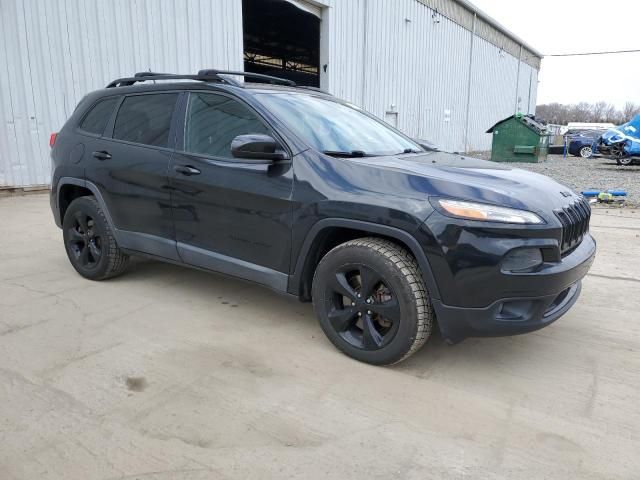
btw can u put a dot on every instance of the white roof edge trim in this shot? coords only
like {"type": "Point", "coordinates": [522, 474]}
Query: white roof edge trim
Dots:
{"type": "Point", "coordinates": [494, 23]}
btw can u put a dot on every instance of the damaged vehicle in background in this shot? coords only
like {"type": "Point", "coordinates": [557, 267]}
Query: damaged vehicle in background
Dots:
{"type": "Point", "coordinates": [622, 143]}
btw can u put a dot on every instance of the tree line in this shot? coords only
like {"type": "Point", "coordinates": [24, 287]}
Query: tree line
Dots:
{"type": "Point", "coordinates": [599, 112]}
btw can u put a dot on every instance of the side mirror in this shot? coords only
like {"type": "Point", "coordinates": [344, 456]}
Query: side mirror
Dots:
{"type": "Point", "coordinates": [256, 146]}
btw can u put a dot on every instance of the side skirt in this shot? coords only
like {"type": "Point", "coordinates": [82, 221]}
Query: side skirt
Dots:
{"type": "Point", "coordinates": [232, 266]}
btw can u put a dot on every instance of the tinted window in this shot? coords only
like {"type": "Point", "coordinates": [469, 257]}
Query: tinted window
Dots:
{"type": "Point", "coordinates": [98, 116]}
{"type": "Point", "coordinates": [213, 121]}
{"type": "Point", "coordinates": [146, 119]}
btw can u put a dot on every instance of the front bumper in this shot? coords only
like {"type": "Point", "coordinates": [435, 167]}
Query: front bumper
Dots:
{"type": "Point", "coordinates": [546, 296]}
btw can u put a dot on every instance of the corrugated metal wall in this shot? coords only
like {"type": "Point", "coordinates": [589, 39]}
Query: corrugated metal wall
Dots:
{"type": "Point", "coordinates": [427, 86]}
{"type": "Point", "coordinates": [406, 58]}
{"type": "Point", "coordinates": [493, 92]}
{"type": "Point", "coordinates": [56, 52]}
{"type": "Point", "coordinates": [396, 59]}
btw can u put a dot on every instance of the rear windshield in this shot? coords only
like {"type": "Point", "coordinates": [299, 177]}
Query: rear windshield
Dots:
{"type": "Point", "coordinates": [331, 126]}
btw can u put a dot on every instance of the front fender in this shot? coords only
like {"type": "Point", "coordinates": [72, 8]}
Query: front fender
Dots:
{"type": "Point", "coordinates": [402, 236]}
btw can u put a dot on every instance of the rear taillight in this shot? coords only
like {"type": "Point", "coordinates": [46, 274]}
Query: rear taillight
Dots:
{"type": "Point", "coordinates": [52, 139]}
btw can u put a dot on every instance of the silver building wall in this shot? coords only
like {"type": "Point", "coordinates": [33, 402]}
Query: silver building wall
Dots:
{"type": "Point", "coordinates": [415, 63]}
{"type": "Point", "coordinates": [54, 52]}
{"type": "Point", "coordinates": [413, 66]}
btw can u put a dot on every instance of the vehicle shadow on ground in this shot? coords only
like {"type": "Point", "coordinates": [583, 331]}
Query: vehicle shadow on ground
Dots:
{"type": "Point", "coordinates": [437, 354]}
{"type": "Point", "coordinates": [206, 287]}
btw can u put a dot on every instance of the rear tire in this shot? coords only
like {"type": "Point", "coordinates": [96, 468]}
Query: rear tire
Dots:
{"type": "Point", "coordinates": [89, 242]}
{"type": "Point", "coordinates": [624, 161]}
{"type": "Point", "coordinates": [586, 152]}
{"type": "Point", "coordinates": [371, 301]}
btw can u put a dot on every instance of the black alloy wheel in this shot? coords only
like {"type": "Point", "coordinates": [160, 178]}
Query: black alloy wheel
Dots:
{"type": "Point", "coordinates": [89, 241]}
{"type": "Point", "coordinates": [371, 301]}
{"type": "Point", "coordinates": [365, 312]}
{"type": "Point", "coordinates": [84, 240]}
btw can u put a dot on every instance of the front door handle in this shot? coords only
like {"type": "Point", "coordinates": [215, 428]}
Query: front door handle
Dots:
{"type": "Point", "coordinates": [102, 155]}
{"type": "Point", "coordinates": [186, 170]}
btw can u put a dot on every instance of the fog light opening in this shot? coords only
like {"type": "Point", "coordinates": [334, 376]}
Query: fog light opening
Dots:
{"type": "Point", "coordinates": [522, 260]}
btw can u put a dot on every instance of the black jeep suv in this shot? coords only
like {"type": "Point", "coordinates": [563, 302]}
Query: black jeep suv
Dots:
{"type": "Point", "coordinates": [292, 188]}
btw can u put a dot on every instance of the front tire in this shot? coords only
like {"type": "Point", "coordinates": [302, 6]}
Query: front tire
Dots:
{"type": "Point", "coordinates": [371, 301]}
{"type": "Point", "coordinates": [91, 247]}
{"type": "Point", "coordinates": [624, 161]}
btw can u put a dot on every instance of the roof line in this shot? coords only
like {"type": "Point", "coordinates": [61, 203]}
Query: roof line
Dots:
{"type": "Point", "coordinates": [494, 23]}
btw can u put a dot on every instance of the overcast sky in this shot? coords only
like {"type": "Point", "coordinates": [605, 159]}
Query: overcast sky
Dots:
{"type": "Point", "coordinates": [568, 26]}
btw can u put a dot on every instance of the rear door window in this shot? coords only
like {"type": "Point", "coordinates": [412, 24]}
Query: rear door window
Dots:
{"type": "Point", "coordinates": [213, 121]}
{"type": "Point", "coordinates": [96, 120]}
{"type": "Point", "coordinates": [146, 119]}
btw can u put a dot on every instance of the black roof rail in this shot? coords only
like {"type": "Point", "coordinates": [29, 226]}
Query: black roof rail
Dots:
{"type": "Point", "coordinates": [202, 75]}
{"type": "Point", "coordinates": [146, 76]}
{"type": "Point", "coordinates": [260, 76]}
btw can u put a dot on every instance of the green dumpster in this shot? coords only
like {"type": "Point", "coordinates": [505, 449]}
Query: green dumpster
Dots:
{"type": "Point", "coordinates": [519, 138]}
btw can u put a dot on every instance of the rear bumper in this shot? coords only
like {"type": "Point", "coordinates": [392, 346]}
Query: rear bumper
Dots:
{"type": "Point", "coordinates": [552, 293]}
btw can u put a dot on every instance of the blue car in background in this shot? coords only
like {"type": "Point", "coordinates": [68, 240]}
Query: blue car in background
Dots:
{"type": "Point", "coordinates": [584, 143]}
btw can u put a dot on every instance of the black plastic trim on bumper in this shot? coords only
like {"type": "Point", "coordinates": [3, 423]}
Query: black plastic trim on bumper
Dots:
{"type": "Point", "coordinates": [457, 323]}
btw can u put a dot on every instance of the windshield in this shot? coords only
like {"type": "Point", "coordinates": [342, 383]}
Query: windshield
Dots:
{"type": "Point", "coordinates": [336, 128]}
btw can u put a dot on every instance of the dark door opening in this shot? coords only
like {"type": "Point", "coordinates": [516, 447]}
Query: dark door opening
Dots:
{"type": "Point", "coordinates": [282, 40]}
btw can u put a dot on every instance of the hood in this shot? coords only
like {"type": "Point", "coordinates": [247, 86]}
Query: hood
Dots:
{"type": "Point", "coordinates": [468, 178]}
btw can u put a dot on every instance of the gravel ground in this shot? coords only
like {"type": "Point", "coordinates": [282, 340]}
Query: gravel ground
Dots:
{"type": "Point", "coordinates": [585, 174]}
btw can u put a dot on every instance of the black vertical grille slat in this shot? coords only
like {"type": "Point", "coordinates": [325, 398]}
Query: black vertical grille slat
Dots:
{"type": "Point", "coordinates": [572, 225]}
{"type": "Point", "coordinates": [569, 229]}
{"type": "Point", "coordinates": [577, 225]}
{"type": "Point", "coordinates": [575, 219]}
{"type": "Point", "coordinates": [585, 216]}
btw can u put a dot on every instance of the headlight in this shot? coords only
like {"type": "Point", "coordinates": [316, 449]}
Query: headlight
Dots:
{"type": "Point", "coordinates": [489, 213]}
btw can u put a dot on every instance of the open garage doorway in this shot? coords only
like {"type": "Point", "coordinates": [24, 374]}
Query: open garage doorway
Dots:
{"type": "Point", "coordinates": [282, 38]}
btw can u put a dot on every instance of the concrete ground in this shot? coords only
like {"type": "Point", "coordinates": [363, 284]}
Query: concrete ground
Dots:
{"type": "Point", "coordinates": [169, 373]}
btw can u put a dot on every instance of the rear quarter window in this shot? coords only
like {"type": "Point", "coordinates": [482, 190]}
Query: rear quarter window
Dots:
{"type": "Point", "coordinates": [98, 116]}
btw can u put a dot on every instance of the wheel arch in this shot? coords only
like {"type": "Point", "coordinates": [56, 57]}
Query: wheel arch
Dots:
{"type": "Point", "coordinates": [330, 232]}
{"type": "Point", "coordinates": [70, 188]}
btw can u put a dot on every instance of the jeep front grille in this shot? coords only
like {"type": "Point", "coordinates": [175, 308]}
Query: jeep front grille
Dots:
{"type": "Point", "coordinates": [575, 224]}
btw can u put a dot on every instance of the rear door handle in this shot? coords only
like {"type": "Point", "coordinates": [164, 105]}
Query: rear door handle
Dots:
{"type": "Point", "coordinates": [186, 170]}
{"type": "Point", "coordinates": [102, 155]}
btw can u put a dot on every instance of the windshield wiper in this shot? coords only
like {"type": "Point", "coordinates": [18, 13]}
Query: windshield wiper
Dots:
{"type": "Point", "coordinates": [351, 154]}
